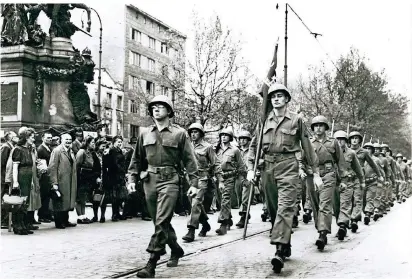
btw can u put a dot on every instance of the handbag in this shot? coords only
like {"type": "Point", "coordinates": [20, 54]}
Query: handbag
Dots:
{"type": "Point", "coordinates": [14, 200]}
{"type": "Point", "coordinates": [97, 197]}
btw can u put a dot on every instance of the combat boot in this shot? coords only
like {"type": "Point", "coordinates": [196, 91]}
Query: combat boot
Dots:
{"type": "Point", "coordinates": [322, 240]}
{"type": "Point", "coordinates": [264, 215]}
{"type": "Point", "coordinates": [367, 219]}
{"type": "Point", "coordinates": [229, 223]}
{"type": "Point", "coordinates": [306, 216]}
{"type": "Point", "coordinates": [241, 223]}
{"type": "Point", "coordinates": [287, 250]}
{"type": "Point", "coordinates": [354, 226]}
{"type": "Point", "coordinates": [341, 232]}
{"type": "Point", "coordinates": [295, 222]}
{"type": "Point", "coordinates": [190, 236]}
{"type": "Point", "coordinates": [174, 257]}
{"type": "Point", "coordinates": [222, 230]}
{"type": "Point", "coordinates": [149, 270]}
{"type": "Point", "coordinates": [205, 228]}
{"type": "Point", "coordinates": [278, 261]}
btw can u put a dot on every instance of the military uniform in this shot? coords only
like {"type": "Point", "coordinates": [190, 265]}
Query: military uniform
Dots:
{"type": "Point", "coordinates": [208, 163]}
{"type": "Point", "coordinates": [344, 192]}
{"type": "Point", "coordinates": [382, 187]}
{"type": "Point", "coordinates": [403, 191]}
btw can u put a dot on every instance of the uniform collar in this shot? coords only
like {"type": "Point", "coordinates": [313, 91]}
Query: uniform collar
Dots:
{"type": "Point", "coordinates": [273, 116]}
{"type": "Point", "coordinates": [201, 143]}
{"type": "Point", "coordinates": [167, 128]}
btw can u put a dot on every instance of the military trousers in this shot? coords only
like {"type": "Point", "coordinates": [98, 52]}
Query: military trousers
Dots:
{"type": "Point", "coordinates": [298, 198]}
{"type": "Point", "coordinates": [343, 201]}
{"type": "Point", "coordinates": [377, 204]}
{"type": "Point", "coordinates": [357, 201]}
{"type": "Point", "coordinates": [198, 213]}
{"type": "Point", "coordinates": [225, 207]}
{"type": "Point", "coordinates": [280, 180]}
{"type": "Point", "coordinates": [307, 205]}
{"type": "Point", "coordinates": [321, 201]}
{"type": "Point", "coordinates": [161, 196]}
{"type": "Point", "coordinates": [369, 197]}
{"type": "Point", "coordinates": [246, 188]}
{"type": "Point", "coordinates": [404, 190]}
{"type": "Point", "coordinates": [237, 192]}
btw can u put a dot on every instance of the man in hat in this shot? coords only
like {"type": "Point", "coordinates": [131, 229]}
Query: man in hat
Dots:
{"type": "Point", "coordinates": [383, 163]}
{"type": "Point", "coordinates": [284, 134]}
{"type": "Point", "coordinates": [355, 140]}
{"type": "Point", "coordinates": [405, 174]}
{"type": "Point", "coordinates": [232, 166]}
{"type": "Point", "coordinates": [344, 191]}
{"type": "Point", "coordinates": [160, 150]}
{"type": "Point", "coordinates": [392, 183]}
{"type": "Point", "coordinates": [331, 169]}
{"type": "Point", "coordinates": [388, 177]}
{"type": "Point", "coordinates": [208, 163]}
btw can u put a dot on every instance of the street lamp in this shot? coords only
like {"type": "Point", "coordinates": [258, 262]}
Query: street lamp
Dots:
{"type": "Point", "coordinates": [99, 82]}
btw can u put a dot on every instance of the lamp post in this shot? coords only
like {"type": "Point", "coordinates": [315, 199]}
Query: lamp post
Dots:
{"type": "Point", "coordinates": [99, 82]}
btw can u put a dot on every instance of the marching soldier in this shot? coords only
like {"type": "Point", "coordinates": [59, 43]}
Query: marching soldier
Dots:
{"type": "Point", "coordinates": [407, 179]}
{"type": "Point", "coordinates": [331, 169]}
{"type": "Point", "coordinates": [392, 165]}
{"type": "Point", "coordinates": [405, 174]}
{"type": "Point", "coordinates": [284, 133]}
{"type": "Point", "coordinates": [160, 151]}
{"type": "Point", "coordinates": [244, 140]}
{"type": "Point", "coordinates": [344, 193]}
{"type": "Point", "coordinates": [232, 166]}
{"type": "Point", "coordinates": [381, 192]}
{"type": "Point", "coordinates": [373, 173]}
{"type": "Point", "coordinates": [208, 163]}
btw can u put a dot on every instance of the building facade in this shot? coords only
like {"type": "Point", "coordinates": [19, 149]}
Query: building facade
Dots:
{"type": "Point", "coordinates": [146, 54]}
{"type": "Point", "coordinates": [111, 102]}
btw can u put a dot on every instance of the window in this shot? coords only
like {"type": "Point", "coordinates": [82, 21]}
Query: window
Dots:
{"type": "Point", "coordinates": [119, 102]}
{"type": "Point", "coordinates": [150, 87]}
{"type": "Point", "coordinates": [134, 58]}
{"type": "Point", "coordinates": [133, 83]}
{"type": "Point", "coordinates": [164, 48]}
{"type": "Point", "coordinates": [151, 65]}
{"type": "Point", "coordinates": [165, 91]}
{"type": "Point", "coordinates": [134, 130]}
{"type": "Point", "coordinates": [136, 35]}
{"type": "Point", "coordinates": [109, 99]}
{"type": "Point", "coordinates": [152, 43]}
{"type": "Point", "coordinates": [119, 128]}
{"type": "Point", "coordinates": [132, 106]}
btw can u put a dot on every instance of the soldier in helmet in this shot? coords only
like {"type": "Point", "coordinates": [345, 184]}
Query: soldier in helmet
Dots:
{"type": "Point", "coordinates": [407, 179]}
{"type": "Point", "coordinates": [208, 163]}
{"type": "Point", "coordinates": [388, 176]}
{"type": "Point", "coordinates": [232, 166]}
{"type": "Point", "coordinates": [284, 134]}
{"type": "Point", "coordinates": [405, 174]}
{"type": "Point", "coordinates": [355, 140]}
{"type": "Point", "coordinates": [244, 141]}
{"type": "Point", "coordinates": [392, 183]}
{"type": "Point", "coordinates": [160, 150]}
{"type": "Point", "coordinates": [331, 169]}
{"type": "Point", "coordinates": [344, 191]}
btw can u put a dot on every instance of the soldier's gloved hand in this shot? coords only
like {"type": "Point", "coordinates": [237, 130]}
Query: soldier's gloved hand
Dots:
{"type": "Point", "coordinates": [362, 186]}
{"type": "Point", "coordinates": [302, 174]}
{"type": "Point", "coordinates": [131, 187]}
{"type": "Point", "coordinates": [250, 175]}
{"type": "Point", "coordinates": [317, 181]}
{"type": "Point", "coordinates": [192, 191]}
{"type": "Point", "coordinates": [55, 187]}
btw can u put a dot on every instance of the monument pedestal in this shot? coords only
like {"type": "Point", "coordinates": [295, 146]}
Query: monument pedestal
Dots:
{"type": "Point", "coordinates": [20, 104]}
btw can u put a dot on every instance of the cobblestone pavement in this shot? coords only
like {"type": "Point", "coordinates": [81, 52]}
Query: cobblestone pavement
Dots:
{"type": "Point", "coordinates": [381, 250]}
{"type": "Point", "coordinates": [99, 250]}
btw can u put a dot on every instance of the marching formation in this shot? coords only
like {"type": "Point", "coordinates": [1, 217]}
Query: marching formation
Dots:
{"type": "Point", "coordinates": [336, 177]}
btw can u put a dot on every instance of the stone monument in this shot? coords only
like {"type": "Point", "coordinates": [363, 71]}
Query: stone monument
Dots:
{"type": "Point", "coordinates": [43, 76]}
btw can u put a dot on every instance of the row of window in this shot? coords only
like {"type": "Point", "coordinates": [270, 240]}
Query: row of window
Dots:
{"type": "Point", "coordinates": [147, 86]}
{"type": "Point", "coordinates": [142, 61]}
{"type": "Point", "coordinates": [107, 102]}
{"type": "Point", "coordinates": [149, 42]}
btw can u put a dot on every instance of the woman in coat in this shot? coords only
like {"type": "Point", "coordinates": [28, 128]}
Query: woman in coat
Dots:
{"type": "Point", "coordinates": [98, 188]}
{"type": "Point", "coordinates": [63, 178]}
{"type": "Point", "coordinates": [35, 200]}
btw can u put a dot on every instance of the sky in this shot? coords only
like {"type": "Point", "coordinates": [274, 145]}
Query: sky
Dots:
{"type": "Point", "coordinates": [381, 30]}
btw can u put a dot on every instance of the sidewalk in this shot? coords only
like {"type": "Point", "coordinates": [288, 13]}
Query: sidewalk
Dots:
{"type": "Point", "coordinates": [99, 250]}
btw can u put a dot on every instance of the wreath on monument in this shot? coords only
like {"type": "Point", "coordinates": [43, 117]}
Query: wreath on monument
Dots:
{"type": "Point", "coordinates": [77, 72]}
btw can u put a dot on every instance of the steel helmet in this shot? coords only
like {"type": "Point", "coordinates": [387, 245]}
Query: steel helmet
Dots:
{"type": "Point", "coordinates": [278, 87]}
{"type": "Point", "coordinates": [340, 134]}
{"type": "Point", "coordinates": [197, 126]}
{"type": "Point", "coordinates": [244, 134]}
{"type": "Point", "coordinates": [227, 131]}
{"type": "Point", "coordinates": [384, 145]}
{"type": "Point", "coordinates": [376, 145]}
{"type": "Point", "coordinates": [399, 155]}
{"type": "Point", "coordinates": [161, 99]}
{"type": "Point", "coordinates": [368, 144]}
{"type": "Point", "coordinates": [319, 119]}
{"type": "Point", "coordinates": [404, 159]}
{"type": "Point", "coordinates": [355, 134]}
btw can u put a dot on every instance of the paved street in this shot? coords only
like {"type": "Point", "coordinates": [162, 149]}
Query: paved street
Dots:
{"type": "Point", "coordinates": [110, 249]}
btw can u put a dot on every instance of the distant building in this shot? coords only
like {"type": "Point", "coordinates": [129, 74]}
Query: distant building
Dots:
{"type": "Point", "coordinates": [111, 100]}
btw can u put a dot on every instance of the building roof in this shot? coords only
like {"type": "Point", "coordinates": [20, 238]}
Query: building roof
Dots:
{"type": "Point", "coordinates": [107, 80]}
{"type": "Point", "coordinates": [156, 20]}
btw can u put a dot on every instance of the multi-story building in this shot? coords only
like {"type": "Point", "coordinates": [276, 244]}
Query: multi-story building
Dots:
{"type": "Point", "coordinates": [146, 53]}
{"type": "Point", "coordinates": [111, 102]}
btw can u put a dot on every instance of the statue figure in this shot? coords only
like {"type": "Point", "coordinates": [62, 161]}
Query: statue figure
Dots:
{"type": "Point", "coordinates": [15, 24]}
{"type": "Point", "coordinates": [89, 65]}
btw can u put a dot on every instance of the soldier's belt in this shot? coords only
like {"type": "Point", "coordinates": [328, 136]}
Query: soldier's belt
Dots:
{"type": "Point", "coordinates": [162, 170]}
{"type": "Point", "coordinates": [229, 174]}
{"type": "Point", "coordinates": [278, 157]}
{"type": "Point", "coordinates": [350, 178]}
{"type": "Point", "coordinates": [370, 179]}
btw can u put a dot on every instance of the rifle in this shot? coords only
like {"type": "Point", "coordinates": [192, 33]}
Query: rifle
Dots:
{"type": "Point", "coordinates": [265, 89]}
{"type": "Point", "coordinates": [333, 125]}
{"type": "Point", "coordinates": [363, 139]}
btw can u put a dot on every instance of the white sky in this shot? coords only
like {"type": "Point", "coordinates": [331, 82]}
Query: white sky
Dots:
{"type": "Point", "coordinates": [381, 30]}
